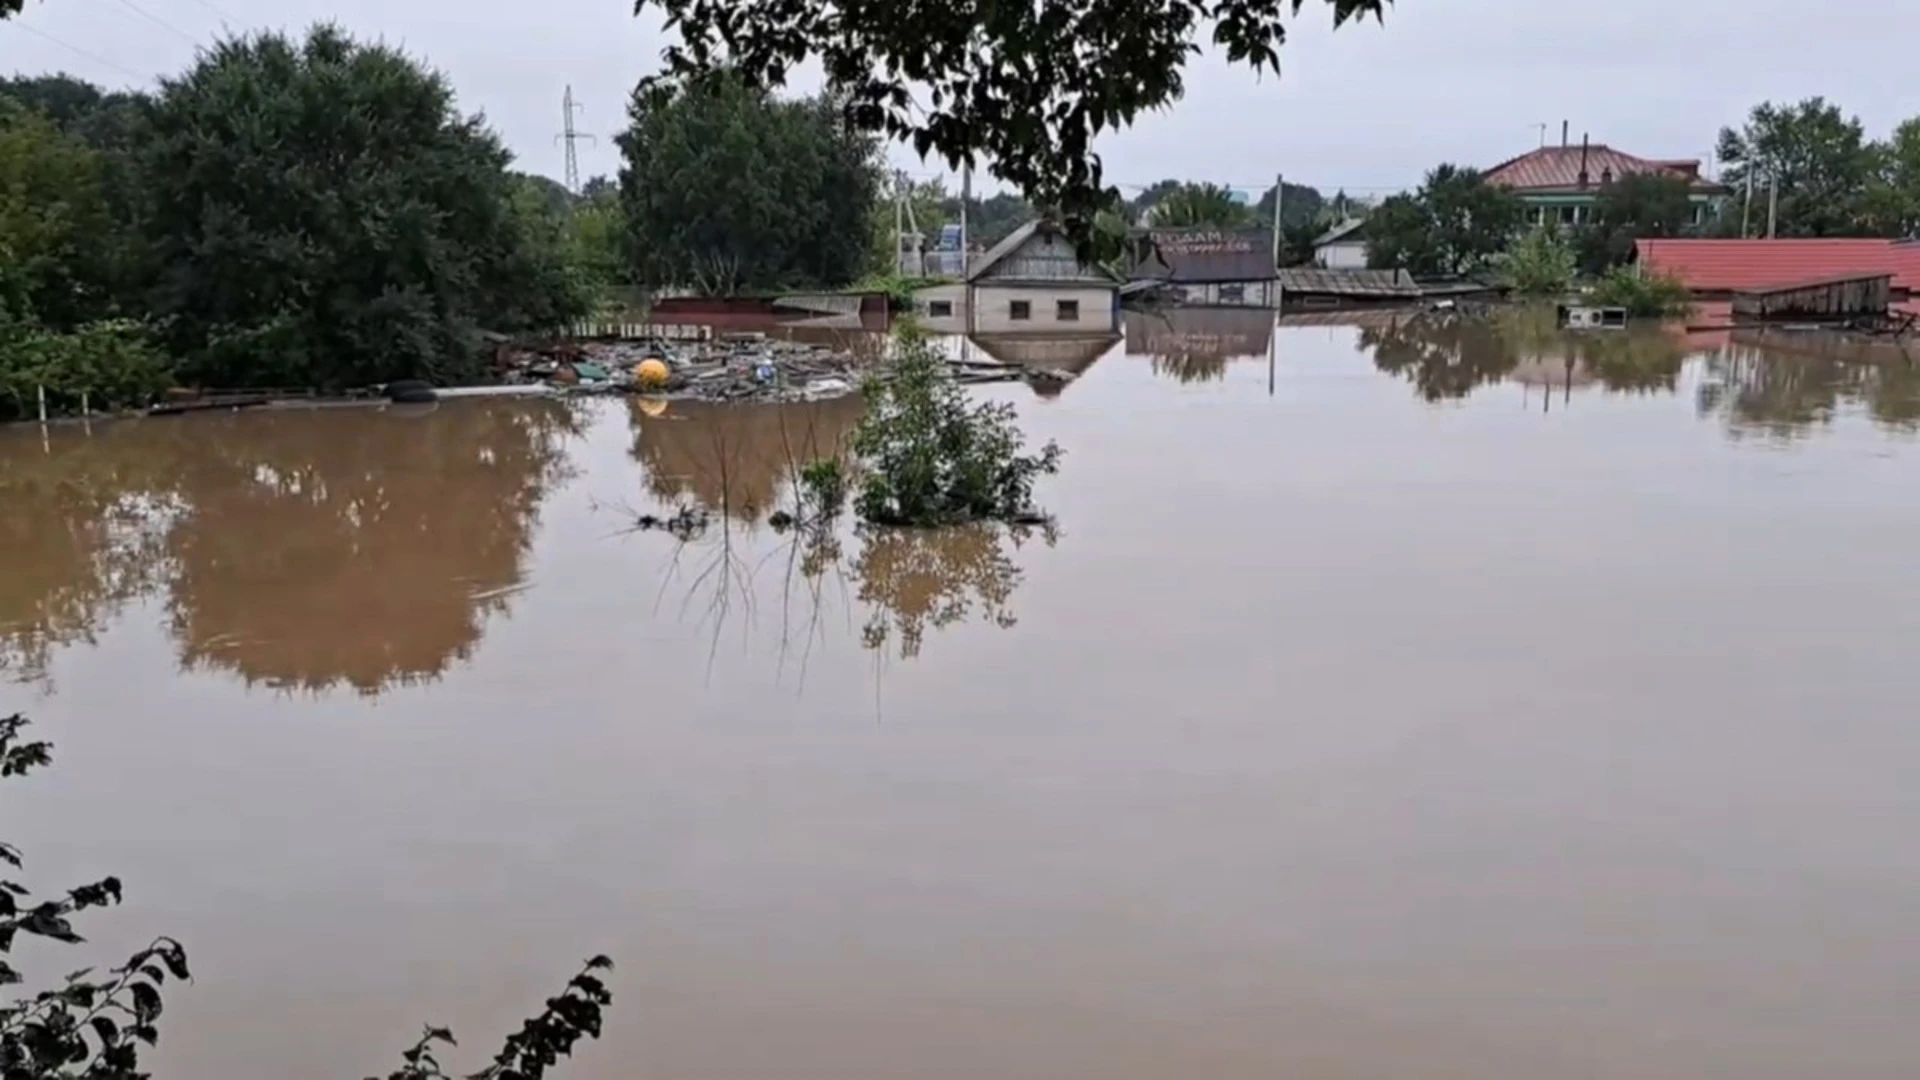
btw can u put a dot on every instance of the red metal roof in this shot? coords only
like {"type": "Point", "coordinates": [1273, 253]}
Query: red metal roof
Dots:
{"type": "Point", "coordinates": [1745, 265]}
{"type": "Point", "coordinates": [1557, 168]}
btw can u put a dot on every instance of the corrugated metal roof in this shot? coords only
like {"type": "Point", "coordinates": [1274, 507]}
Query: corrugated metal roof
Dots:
{"type": "Point", "coordinates": [1557, 168]}
{"type": "Point", "coordinates": [1200, 256]}
{"type": "Point", "coordinates": [1358, 283]}
{"type": "Point", "coordinates": [1342, 231]}
{"type": "Point", "coordinates": [1003, 249]}
{"type": "Point", "coordinates": [1747, 265]}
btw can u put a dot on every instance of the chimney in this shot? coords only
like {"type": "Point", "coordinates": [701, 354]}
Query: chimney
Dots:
{"type": "Point", "coordinates": [1583, 161]}
{"type": "Point", "coordinates": [1564, 125]}
{"type": "Point", "coordinates": [1606, 176]}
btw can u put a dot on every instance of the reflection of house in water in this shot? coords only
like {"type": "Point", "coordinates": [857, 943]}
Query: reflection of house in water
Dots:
{"type": "Point", "coordinates": [1195, 344]}
{"type": "Point", "coordinates": [736, 458]}
{"type": "Point", "coordinates": [1783, 384]}
{"type": "Point", "coordinates": [1053, 352]}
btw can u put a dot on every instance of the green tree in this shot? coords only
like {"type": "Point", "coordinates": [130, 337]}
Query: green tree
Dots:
{"type": "Point", "coordinates": [1302, 205]}
{"type": "Point", "coordinates": [1400, 237]}
{"type": "Point", "coordinates": [989, 220]}
{"type": "Point", "coordinates": [1023, 88]}
{"type": "Point", "coordinates": [323, 216]}
{"type": "Point", "coordinates": [1195, 206]}
{"type": "Point", "coordinates": [57, 236]}
{"type": "Point", "coordinates": [1541, 263]}
{"type": "Point", "coordinates": [728, 189]}
{"type": "Point", "coordinates": [1636, 206]}
{"type": "Point", "coordinates": [1141, 205]}
{"type": "Point", "coordinates": [1820, 157]}
{"type": "Point", "coordinates": [1453, 226]}
{"type": "Point", "coordinates": [1892, 202]}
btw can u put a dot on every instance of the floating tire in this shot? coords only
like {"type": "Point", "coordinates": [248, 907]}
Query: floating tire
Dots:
{"type": "Point", "coordinates": [411, 392]}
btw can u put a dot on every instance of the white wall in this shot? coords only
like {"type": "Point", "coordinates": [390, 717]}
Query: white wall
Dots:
{"type": "Point", "coordinates": [1342, 256]}
{"type": "Point", "coordinates": [950, 304]}
{"type": "Point", "coordinates": [992, 309]}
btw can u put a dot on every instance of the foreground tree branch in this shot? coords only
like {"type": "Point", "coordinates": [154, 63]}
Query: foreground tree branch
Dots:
{"type": "Point", "coordinates": [1019, 86]}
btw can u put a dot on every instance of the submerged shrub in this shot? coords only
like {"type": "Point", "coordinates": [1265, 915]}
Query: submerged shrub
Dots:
{"type": "Point", "coordinates": [1644, 295]}
{"type": "Point", "coordinates": [108, 365]}
{"type": "Point", "coordinates": [933, 456]}
{"type": "Point", "coordinates": [1542, 263]}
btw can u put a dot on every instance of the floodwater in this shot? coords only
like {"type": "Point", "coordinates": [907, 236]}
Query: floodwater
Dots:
{"type": "Point", "coordinates": [1397, 697]}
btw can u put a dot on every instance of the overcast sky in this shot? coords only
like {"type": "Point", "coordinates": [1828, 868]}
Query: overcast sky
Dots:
{"type": "Point", "coordinates": [1368, 108]}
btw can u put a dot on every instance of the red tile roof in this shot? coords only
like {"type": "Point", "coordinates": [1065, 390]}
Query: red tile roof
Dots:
{"type": "Point", "coordinates": [1557, 168]}
{"type": "Point", "coordinates": [1741, 265]}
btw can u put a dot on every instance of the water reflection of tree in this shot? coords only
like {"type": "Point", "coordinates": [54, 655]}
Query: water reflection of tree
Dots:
{"type": "Point", "coordinates": [1782, 387]}
{"type": "Point", "coordinates": [1450, 354]}
{"type": "Point", "coordinates": [299, 549]}
{"type": "Point", "coordinates": [1190, 367]}
{"type": "Point", "coordinates": [1445, 354]}
{"type": "Point", "coordinates": [735, 458]}
{"type": "Point", "coordinates": [357, 548]}
{"type": "Point", "coordinates": [913, 579]}
{"type": "Point", "coordinates": [82, 534]}
{"type": "Point", "coordinates": [904, 582]}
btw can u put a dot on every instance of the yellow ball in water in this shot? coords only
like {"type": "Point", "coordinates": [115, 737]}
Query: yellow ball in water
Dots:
{"type": "Point", "coordinates": [652, 372]}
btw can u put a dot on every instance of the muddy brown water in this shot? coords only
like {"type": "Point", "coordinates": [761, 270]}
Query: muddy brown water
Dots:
{"type": "Point", "coordinates": [1452, 700]}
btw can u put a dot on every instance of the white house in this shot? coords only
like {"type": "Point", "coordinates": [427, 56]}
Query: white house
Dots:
{"type": "Point", "coordinates": [1034, 282]}
{"type": "Point", "coordinates": [1344, 247]}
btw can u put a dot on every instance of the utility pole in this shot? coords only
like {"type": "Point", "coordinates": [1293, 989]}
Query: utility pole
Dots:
{"type": "Point", "coordinates": [899, 218]}
{"type": "Point", "coordinates": [1279, 193]}
{"type": "Point", "coordinates": [1746, 208]}
{"type": "Point", "coordinates": [966, 196]}
{"type": "Point", "coordinates": [570, 136]}
{"type": "Point", "coordinates": [1773, 204]}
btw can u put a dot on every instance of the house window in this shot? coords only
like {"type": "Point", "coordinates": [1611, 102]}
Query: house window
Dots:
{"type": "Point", "coordinates": [1019, 310]}
{"type": "Point", "coordinates": [1066, 311]}
{"type": "Point", "coordinates": [1566, 215]}
{"type": "Point", "coordinates": [940, 309]}
{"type": "Point", "coordinates": [1233, 294]}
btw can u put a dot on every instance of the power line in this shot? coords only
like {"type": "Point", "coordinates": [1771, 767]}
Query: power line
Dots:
{"type": "Point", "coordinates": [224, 15]}
{"type": "Point", "coordinates": [158, 21]}
{"type": "Point", "coordinates": [78, 51]}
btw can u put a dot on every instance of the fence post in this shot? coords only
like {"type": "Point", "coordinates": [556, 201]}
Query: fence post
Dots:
{"type": "Point", "coordinates": [42, 393]}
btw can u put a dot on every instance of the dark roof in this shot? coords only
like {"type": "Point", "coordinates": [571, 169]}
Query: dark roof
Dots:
{"type": "Point", "coordinates": [1557, 169]}
{"type": "Point", "coordinates": [1749, 265]}
{"type": "Point", "coordinates": [1359, 283]}
{"type": "Point", "coordinates": [1200, 256]}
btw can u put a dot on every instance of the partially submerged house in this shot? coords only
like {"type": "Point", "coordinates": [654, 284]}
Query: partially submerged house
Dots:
{"type": "Point", "coordinates": [1560, 184]}
{"type": "Point", "coordinates": [1032, 282]}
{"type": "Point", "coordinates": [1212, 267]}
{"type": "Point", "coordinates": [1312, 286]}
{"type": "Point", "coordinates": [1343, 247]}
{"type": "Point", "coordinates": [1720, 269]}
